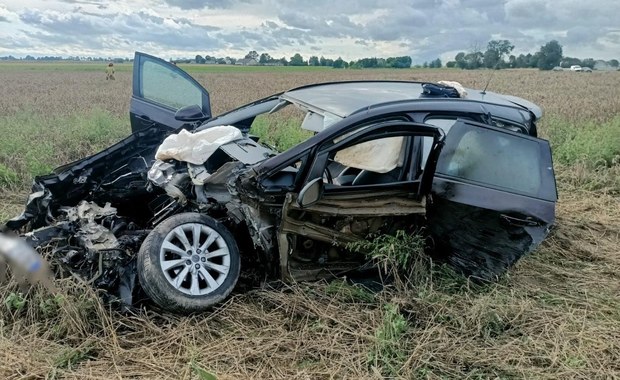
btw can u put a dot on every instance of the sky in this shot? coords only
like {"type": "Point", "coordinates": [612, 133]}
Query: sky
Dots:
{"type": "Point", "coordinates": [351, 29]}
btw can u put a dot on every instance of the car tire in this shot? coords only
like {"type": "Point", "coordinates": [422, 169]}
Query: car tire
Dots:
{"type": "Point", "coordinates": [188, 263]}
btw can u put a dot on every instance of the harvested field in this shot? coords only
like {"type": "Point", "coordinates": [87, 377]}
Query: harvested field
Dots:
{"type": "Point", "coordinates": [555, 315]}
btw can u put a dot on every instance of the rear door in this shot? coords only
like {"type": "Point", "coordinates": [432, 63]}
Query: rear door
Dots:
{"type": "Point", "coordinates": [492, 199]}
{"type": "Point", "coordinates": [160, 89]}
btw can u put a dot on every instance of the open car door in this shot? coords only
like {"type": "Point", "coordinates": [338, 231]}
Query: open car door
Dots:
{"type": "Point", "coordinates": [165, 96]}
{"type": "Point", "coordinates": [493, 198]}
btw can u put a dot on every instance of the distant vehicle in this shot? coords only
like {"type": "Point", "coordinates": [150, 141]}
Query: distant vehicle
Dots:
{"type": "Point", "coordinates": [558, 68]}
{"type": "Point", "coordinates": [586, 69]}
{"type": "Point", "coordinates": [576, 68]}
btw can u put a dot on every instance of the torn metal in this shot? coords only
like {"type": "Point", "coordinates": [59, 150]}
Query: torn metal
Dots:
{"type": "Point", "coordinates": [376, 165]}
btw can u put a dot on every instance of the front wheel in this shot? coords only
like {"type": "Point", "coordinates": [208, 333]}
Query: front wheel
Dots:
{"type": "Point", "coordinates": [188, 263]}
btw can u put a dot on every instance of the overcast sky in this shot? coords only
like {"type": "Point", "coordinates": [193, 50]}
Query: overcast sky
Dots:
{"type": "Point", "coordinates": [423, 29]}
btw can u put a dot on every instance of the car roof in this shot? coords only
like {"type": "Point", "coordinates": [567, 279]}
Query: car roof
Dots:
{"type": "Point", "coordinates": [342, 99]}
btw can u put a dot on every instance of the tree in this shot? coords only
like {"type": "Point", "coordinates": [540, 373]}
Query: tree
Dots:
{"type": "Point", "coordinates": [512, 61]}
{"type": "Point", "coordinates": [264, 58]}
{"type": "Point", "coordinates": [435, 64]}
{"type": "Point", "coordinates": [473, 60]}
{"type": "Point", "coordinates": [550, 55]}
{"type": "Point", "coordinates": [252, 54]}
{"type": "Point", "coordinates": [491, 59]}
{"type": "Point", "coordinates": [459, 59]}
{"type": "Point", "coordinates": [314, 61]}
{"type": "Point", "coordinates": [469, 61]}
{"type": "Point", "coordinates": [338, 63]}
{"type": "Point", "coordinates": [199, 59]}
{"type": "Point", "coordinates": [496, 51]}
{"type": "Point", "coordinates": [588, 62]}
{"type": "Point", "coordinates": [614, 63]}
{"type": "Point", "coordinates": [297, 60]}
{"type": "Point", "coordinates": [403, 62]}
{"type": "Point", "coordinates": [326, 62]}
{"type": "Point", "coordinates": [451, 64]}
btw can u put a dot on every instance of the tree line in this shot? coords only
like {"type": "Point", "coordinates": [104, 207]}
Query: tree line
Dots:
{"type": "Point", "coordinates": [497, 56]}
{"type": "Point", "coordinates": [298, 60]}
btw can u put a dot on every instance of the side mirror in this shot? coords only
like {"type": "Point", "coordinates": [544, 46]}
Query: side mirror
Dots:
{"type": "Point", "coordinates": [190, 113]}
{"type": "Point", "coordinates": [311, 193]}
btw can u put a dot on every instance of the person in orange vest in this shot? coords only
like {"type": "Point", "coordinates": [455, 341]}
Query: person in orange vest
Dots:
{"type": "Point", "coordinates": [109, 72]}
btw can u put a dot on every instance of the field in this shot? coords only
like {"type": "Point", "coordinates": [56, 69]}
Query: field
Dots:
{"type": "Point", "coordinates": [555, 315]}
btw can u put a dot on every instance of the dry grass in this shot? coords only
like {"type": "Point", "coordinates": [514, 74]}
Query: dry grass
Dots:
{"type": "Point", "coordinates": [556, 315]}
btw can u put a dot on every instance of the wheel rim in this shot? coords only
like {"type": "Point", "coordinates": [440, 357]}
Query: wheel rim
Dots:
{"type": "Point", "coordinates": [195, 259]}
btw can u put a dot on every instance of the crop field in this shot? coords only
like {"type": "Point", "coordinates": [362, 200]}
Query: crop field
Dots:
{"type": "Point", "coordinates": [555, 315]}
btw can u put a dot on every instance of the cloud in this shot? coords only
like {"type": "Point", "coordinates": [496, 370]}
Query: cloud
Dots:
{"type": "Point", "coordinates": [424, 29]}
{"type": "Point", "coordinates": [97, 30]}
{"type": "Point", "coordinates": [200, 4]}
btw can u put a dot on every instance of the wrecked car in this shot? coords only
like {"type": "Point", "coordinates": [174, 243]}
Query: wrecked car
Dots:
{"type": "Point", "coordinates": [181, 202]}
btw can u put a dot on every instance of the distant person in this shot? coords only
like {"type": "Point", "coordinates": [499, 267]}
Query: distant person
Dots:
{"type": "Point", "coordinates": [109, 72]}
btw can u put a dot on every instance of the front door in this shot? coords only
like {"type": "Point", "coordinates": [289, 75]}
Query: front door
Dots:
{"type": "Point", "coordinates": [365, 182]}
{"type": "Point", "coordinates": [160, 89]}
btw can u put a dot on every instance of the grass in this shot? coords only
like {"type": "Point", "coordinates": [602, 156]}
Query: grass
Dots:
{"type": "Point", "coordinates": [34, 144]}
{"type": "Point", "coordinates": [281, 132]}
{"type": "Point", "coordinates": [20, 66]}
{"type": "Point", "coordinates": [555, 315]}
{"type": "Point", "coordinates": [593, 143]}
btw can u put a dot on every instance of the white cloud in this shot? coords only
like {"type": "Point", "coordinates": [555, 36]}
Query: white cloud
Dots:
{"type": "Point", "coordinates": [424, 29]}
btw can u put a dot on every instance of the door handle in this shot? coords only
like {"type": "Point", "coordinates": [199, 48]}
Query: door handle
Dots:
{"type": "Point", "coordinates": [520, 221]}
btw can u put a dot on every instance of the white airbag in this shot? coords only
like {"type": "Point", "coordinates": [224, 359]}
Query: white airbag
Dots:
{"type": "Point", "coordinates": [378, 156]}
{"type": "Point", "coordinates": [196, 148]}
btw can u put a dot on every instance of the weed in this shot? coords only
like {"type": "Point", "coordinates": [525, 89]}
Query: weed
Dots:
{"type": "Point", "coordinates": [8, 176]}
{"type": "Point", "coordinates": [401, 253]}
{"type": "Point", "coordinates": [15, 301]}
{"type": "Point", "coordinates": [388, 352]}
{"type": "Point", "coordinates": [349, 292]}
{"type": "Point", "coordinates": [71, 357]}
{"type": "Point", "coordinates": [200, 372]}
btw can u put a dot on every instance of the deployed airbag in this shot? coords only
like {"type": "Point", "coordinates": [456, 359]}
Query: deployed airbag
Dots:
{"type": "Point", "coordinates": [380, 156]}
{"type": "Point", "coordinates": [197, 147]}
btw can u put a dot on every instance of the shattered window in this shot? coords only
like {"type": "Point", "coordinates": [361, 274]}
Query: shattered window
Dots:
{"type": "Point", "coordinates": [493, 158]}
{"type": "Point", "coordinates": [165, 86]}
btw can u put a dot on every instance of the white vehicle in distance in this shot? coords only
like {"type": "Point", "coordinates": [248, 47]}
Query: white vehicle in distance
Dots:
{"type": "Point", "coordinates": [576, 68]}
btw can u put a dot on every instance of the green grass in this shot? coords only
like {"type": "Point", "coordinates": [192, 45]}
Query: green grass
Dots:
{"type": "Point", "coordinates": [278, 131]}
{"type": "Point", "coordinates": [596, 144]}
{"type": "Point", "coordinates": [388, 354]}
{"type": "Point", "coordinates": [34, 144]}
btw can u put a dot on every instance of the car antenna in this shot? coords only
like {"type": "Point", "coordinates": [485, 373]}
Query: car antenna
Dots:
{"type": "Point", "coordinates": [490, 77]}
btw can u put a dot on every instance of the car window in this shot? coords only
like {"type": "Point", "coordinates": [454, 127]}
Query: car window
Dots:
{"type": "Point", "coordinates": [377, 161]}
{"type": "Point", "coordinates": [493, 158]}
{"type": "Point", "coordinates": [167, 87]}
{"type": "Point", "coordinates": [444, 123]}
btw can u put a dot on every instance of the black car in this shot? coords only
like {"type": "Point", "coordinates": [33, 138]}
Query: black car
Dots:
{"type": "Point", "coordinates": [191, 196]}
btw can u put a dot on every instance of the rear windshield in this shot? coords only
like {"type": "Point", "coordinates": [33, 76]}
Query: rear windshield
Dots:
{"type": "Point", "coordinates": [498, 159]}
